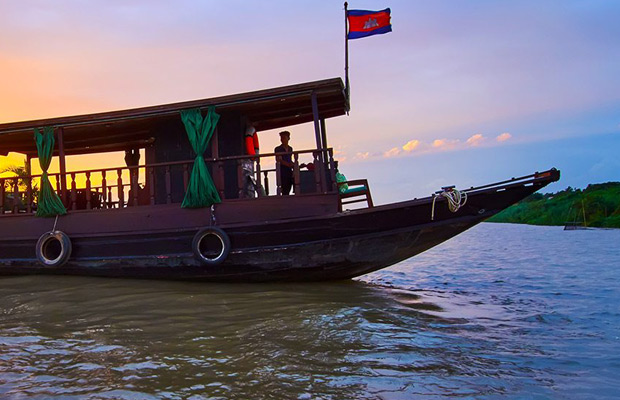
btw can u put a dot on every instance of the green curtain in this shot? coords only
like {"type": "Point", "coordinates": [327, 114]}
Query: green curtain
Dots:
{"type": "Point", "coordinates": [49, 203]}
{"type": "Point", "coordinates": [201, 191]}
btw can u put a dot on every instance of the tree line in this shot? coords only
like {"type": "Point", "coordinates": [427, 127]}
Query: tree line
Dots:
{"type": "Point", "coordinates": [598, 205]}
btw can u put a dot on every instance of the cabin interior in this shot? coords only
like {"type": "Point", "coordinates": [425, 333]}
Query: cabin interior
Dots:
{"type": "Point", "coordinates": [159, 157]}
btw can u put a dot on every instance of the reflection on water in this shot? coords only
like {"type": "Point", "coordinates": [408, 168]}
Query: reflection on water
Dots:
{"type": "Point", "coordinates": [479, 322]}
{"type": "Point", "coordinates": [75, 336]}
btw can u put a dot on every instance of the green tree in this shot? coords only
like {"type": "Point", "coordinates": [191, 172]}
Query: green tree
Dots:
{"type": "Point", "coordinates": [599, 202]}
{"type": "Point", "coordinates": [23, 181]}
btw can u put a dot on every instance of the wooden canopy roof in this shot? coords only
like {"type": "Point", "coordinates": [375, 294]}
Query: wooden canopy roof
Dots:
{"type": "Point", "coordinates": [118, 130]}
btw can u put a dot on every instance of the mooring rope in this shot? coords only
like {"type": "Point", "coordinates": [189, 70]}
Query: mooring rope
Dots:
{"type": "Point", "coordinates": [456, 199]}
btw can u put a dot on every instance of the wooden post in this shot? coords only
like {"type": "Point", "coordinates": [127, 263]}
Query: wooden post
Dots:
{"type": "Point", "coordinates": [63, 167]}
{"type": "Point", "coordinates": [257, 178]}
{"type": "Point", "coordinates": [218, 167]}
{"type": "Point", "coordinates": [2, 183]}
{"type": "Point", "coordinates": [133, 184]}
{"type": "Point", "coordinates": [315, 115]}
{"type": "Point", "coordinates": [240, 183]}
{"type": "Point", "coordinates": [296, 176]}
{"type": "Point", "coordinates": [57, 179]}
{"type": "Point", "coordinates": [332, 170]}
{"type": "Point", "coordinates": [73, 192]}
{"type": "Point", "coordinates": [324, 144]}
{"type": "Point", "coordinates": [29, 197]}
{"type": "Point", "coordinates": [104, 194]}
{"type": "Point", "coordinates": [278, 184]}
{"type": "Point", "coordinates": [185, 176]}
{"type": "Point", "coordinates": [220, 175]}
{"type": "Point", "coordinates": [317, 170]}
{"type": "Point", "coordinates": [215, 144]}
{"type": "Point", "coordinates": [151, 173]}
{"type": "Point", "coordinates": [121, 191]}
{"type": "Point", "coordinates": [168, 186]}
{"type": "Point", "coordinates": [15, 195]}
{"type": "Point", "coordinates": [317, 133]}
{"type": "Point", "coordinates": [88, 193]}
{"type": "Point", "coordinates": [266, 183]}
{"type": "Point", "coordinates": [323, 135]}
{"type": "Point", "coordinates": [110, 204]}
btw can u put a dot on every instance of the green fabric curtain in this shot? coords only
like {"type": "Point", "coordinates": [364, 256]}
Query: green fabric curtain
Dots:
{"type": "Point", "coordinates": [50, 204]}
{"type": "Point", "coordinates": [201, 191]}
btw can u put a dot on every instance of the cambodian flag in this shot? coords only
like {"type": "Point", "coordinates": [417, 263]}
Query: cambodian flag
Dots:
{"type": "Point", "coordinates": [364, 23]}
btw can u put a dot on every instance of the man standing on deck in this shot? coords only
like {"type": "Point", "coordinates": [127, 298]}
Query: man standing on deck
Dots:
{"type": "Point", "coordinates": [286, 163]}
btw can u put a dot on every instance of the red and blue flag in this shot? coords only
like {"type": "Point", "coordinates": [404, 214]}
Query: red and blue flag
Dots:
{"type": "Point", "coordinates": [364, 23]}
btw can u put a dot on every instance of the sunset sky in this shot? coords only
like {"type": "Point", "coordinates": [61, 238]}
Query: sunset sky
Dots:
{"type": "Point", "coordinates": [461, 92]}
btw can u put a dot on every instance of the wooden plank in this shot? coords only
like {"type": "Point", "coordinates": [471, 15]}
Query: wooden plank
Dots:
{"type": "Point", "coordinates": [62, 164]}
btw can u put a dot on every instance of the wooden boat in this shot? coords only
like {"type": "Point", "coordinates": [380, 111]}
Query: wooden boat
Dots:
{"type": "Point", "coordinates": [575, 225]}
{"type": "Point", "coordinates": [128, 221]}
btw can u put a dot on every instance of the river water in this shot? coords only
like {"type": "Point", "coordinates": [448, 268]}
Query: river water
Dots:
{"type": "Point", "coordinates": [502, 311]}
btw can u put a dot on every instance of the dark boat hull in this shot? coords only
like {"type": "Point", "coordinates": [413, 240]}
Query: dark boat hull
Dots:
{"type": "Point", "coordinates": [155, 242]}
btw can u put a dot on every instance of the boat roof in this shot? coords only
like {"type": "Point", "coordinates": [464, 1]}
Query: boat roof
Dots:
{"type": "Point", "coordinates": [118, 130]}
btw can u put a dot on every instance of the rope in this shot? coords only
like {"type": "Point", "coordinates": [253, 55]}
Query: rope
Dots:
{"type": "Point", "coordinates": [55, 222]}
{"type": "Point", "coordinates": [456, 199]}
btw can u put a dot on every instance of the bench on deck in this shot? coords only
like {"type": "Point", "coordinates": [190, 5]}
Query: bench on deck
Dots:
{"type": "Point", "coordinates": [358, 191]}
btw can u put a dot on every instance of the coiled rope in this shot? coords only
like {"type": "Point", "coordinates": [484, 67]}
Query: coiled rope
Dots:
{"type": "Point", "coordinates": [456, 199]}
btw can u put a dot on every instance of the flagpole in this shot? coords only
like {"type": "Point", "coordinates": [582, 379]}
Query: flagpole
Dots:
{"type": "Point", "coordinates": [346, 54]}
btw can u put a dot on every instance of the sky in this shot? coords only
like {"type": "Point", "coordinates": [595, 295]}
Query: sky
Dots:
{"type": "Point", "coordinates": [460, 93]}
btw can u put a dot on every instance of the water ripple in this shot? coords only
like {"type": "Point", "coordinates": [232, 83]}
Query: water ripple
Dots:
{"type": "Point", "coordinates": [501, 311]}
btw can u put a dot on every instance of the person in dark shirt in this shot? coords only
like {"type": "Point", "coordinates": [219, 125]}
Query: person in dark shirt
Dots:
{"type": "Point", "coordinates": [286, 163]}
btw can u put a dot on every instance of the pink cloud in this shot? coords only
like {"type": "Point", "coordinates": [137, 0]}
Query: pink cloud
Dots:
{"type": "Point", "coordinates": [445, 144]}
{"type": "Point", "coordinates": [393, 152]}
{"type": "Point", "coordinates": [475, 140]}
{"type": "Point", "coordinates": [503, 137]}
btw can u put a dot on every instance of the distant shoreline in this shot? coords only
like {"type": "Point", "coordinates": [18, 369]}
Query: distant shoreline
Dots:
{"type": "Point", "coordinates": [597, 206]}
{"type": "Point", "coordinates": [587, 228]}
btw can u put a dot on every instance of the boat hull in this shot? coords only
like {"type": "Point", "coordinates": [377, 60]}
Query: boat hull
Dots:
{"type": "Point", "coordinates": [320, 260]}
{"type": "Point", "coordinates": [155, 242]}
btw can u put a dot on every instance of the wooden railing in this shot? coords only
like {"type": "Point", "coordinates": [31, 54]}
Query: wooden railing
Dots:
{"type": "Point", "coordinates": [162, 183]}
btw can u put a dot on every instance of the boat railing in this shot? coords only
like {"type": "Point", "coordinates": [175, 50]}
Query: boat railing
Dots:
{"type": "Point", "coordinates": [518, 181]}
{"type": "Point", "coordinates": [318, 176]}
{"type": "Point", "coordinates": [166, 183]}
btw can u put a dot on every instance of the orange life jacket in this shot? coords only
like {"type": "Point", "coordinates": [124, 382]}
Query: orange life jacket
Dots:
{"type": "Point", "coordinates": [251, 144]}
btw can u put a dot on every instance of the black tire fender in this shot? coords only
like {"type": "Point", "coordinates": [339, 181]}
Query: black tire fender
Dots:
{"type": "Point", "coordinates": [219, 253]}
{"type": "Point", "coordinates": [53, 249]}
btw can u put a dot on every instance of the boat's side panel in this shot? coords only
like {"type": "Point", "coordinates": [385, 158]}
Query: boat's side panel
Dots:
{"type": "Point", "coordinates": [336, 246]}
{"type": "Point", "coordinates": [311, 261]}
{"type": "Point", "coordinates": [163, 218]}
{"type": "Point", "coordinates": [127, 234]}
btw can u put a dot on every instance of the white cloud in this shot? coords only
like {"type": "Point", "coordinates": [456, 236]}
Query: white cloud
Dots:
{"type": "Point", "coordinates": [362, 156]}
{"type": "Point", "coordinates": [503, 137]}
